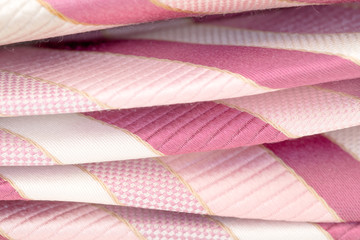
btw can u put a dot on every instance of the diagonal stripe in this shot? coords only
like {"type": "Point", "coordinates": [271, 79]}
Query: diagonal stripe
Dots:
{"type": "Point", "coordinates": [115, 80]}
{"type": "Point", "coordinates": [300, 110]}
{"type": "Point", "coordinates": [248, 183]}
{"type": "Point", "coordinates": [103, 185]}
{"type": "Point", "coordinates": [274, 125]}
{"type": "Point", "coordinates": [72, 138]}
{"type": "Point", "coordinates": [56, 183]}
{"type": "Point", "coordinates": [59, 14]}
{"type": "Point", "coordinates": [8, 192]}
{"type": "Point", "coordinates": [123, 220]}
{"type": "Point", "coordinates": [259, 229]}
{"type": "Point", "coordinates": [33, 143]}
{"type": "Point", "coordinates": [310, 188]}
{"type": "Point", "coordinates": [74, 90]}
{"type": "Point", "coordinates": [330, 44]}
{"type": "Point", "coordinates": [327, 169]}
{"type": "Point", "coordinates": [347, 139]}
{"type": "Point", "coordinates": [259, 69]}
{"type": "Point", "coordinates": [209, 211]}
{"type": "Point", "coordinates": [185, 128]}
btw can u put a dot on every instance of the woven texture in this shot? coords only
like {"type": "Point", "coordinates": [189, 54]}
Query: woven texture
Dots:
{"type": "Point", "coordinates": [167, 119]}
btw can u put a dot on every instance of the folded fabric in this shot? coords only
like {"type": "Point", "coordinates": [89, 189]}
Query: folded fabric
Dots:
{"type": "Point", "coordinates": [236, 119]}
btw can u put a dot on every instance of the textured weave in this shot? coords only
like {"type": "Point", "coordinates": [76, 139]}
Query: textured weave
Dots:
{"type": "Point", "coordinates": [169, 119]}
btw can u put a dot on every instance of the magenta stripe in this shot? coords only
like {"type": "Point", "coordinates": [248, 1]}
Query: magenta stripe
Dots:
{"type": "Point", "coordinates": [333, 173]}
{"type": "Point", "coordinates": [3, 238]}
{"type": "Point", "coordinates": [185, 128]}
{"type": "Point", "coordinates": [314, 19]}
{"type": "Point", "coordinates": [7, 192]}
{"type": "Point", "coordinates": [291, 68]}
{"type": "Point", "coordinates": [112, 11]}
{"type": "Point", "coordinates": [342, 231]}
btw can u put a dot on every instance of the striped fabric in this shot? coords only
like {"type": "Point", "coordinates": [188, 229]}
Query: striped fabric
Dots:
{"type": "Point", "coordinates": [169, 119]}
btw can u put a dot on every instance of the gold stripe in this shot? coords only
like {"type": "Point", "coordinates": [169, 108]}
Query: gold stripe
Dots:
{"type": "Point", "coordinates": [246, 80]}
{"type": "Point", "coordinates": [35, 144]}
{"type": "Point", "coordinates": [82, 93]}
{"type": "Point", "coordinates": [5, 235]}
{"type": "Point", "coordinates": [341, 146]}
{"type": "Point", "coordinates": [326, 233]}
{"type": "Point", "coordinates": [139, 139]}
{"type": "Point", "coordinates": [103, 185]}
{"type": "Point", "coordinates": [123, 220]}
{"type": "Point", "coordinates": [226, 228]}
{"type": "Point", "coordinates": [20, 192]}
{"type": "Point", "coordinates": [169, 8]}
{"type": "Point", "coordinates": [60, 15]}
{"type": "Point", "coordinates": [299, 178]}
{"type": "Point", "coordinates": [187, 185]}
{"type": "Point", "coordinates": [274, 125]}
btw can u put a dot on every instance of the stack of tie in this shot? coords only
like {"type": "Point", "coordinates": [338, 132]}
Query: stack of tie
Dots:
{"type": "Point", "coordinates": [171, 119]}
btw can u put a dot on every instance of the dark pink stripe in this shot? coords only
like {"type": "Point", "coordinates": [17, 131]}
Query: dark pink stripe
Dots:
{"type": "Point", "coordinates": [314, 19]}
{"type": "Point", "coordinates": [342, 231]}
{"type": "Point", "coordinates": [194, 127]}
{"type": "Point", "coordinates": [112, 11]}
{"type": "Point", "coordinates": [7, 192]}
{"type": "Point", "coordinates": [291, 68]}
{"type": "Point", "coordinates": [333, 173]}
{"type": "Point", "coordinates": [3, 238]}
{"type": "Point", "coordinates": [351, 87]}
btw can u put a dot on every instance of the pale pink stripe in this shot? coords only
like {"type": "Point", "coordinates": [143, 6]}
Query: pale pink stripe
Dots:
{"type": "Point", "coordinates": [60, 220]}
{"type": "Point", "coordinates": [351, 87]}
{"type": "Point", "coordinates": [303, 111]}
{"type": "Point", "coordinates": [145, 183]}
{"type": "Point", "coordinates": [7, 192]}
{"type": "Point", "coordinates": [22, 95]}
{"type": "Point", "coordinates": [332, 172]}
{"type": "Point", "coordinates": [112, 11]}
{"type": "Point", "coordinates": [291, 68]}
{"type": "Point", "coordinates": [185, 128]}
{"type": "Point", "coordinates": [248, 183]}
{"type": "Point", "coordinates": [154, 224]}
{"type": "Point", "coordinates": [314, 19]}
{"type": "Point", "coordinates": [16, 151]}
{"type": "Point", "coordinates": [342, 231]}
{"type": "Point", "coordinates": [125, 81]}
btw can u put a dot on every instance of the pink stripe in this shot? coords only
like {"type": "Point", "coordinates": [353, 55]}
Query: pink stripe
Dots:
{"type": "Point", "coordinates": [342, 231]}
{"type": "Point", "coordinates": [351, 87]}
{"type": "Point", "coordinates": [145, 183]}
{"type": "Point", "coordinates": [248, 183]}
{"type": "Point", "coordinates": [7, 192]}
{"type": "Point", "coordinates": [332, 172]}
{"type": "Point", "coordinates": [314, 19]}
{"type": "Point", "coordinates": [154, 224]}
{"type": "Point", "coordinates": [112, 11]}
{"type": "Point", "coordinates": [185, 128]}
{"type": "Point", "coordinates": [291, 68]}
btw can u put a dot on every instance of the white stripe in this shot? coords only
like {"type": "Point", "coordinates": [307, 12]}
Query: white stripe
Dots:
{"type": "Point", "coordinates": [272, 230]}
{"type": "Point", "coordinates": [344, 44]}
{"type": "Point", "coordinates": [348, 139]}
{"type": "Point", "coordinates": [24, 20]}
{"type": "Point", "coordinates": [72, 138]}
{"type": "Point", "coordinates": [57, 183]}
